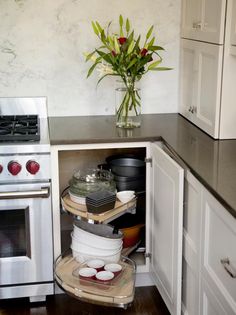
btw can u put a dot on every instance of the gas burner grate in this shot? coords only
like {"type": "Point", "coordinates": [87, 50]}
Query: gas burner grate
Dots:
{"type": "Point", "coordinates": [19, 128]}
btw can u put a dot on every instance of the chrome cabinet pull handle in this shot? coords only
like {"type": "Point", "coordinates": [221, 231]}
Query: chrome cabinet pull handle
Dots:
{"type": "Point", "coordinates": [42, 193]}
{"type": "Point", "coordinates": [229, 268]}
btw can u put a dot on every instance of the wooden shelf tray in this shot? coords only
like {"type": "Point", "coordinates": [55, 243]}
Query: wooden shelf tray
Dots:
{"type": "Point", "coordinates": [119, 293]}
{"type": "Point", "coordinates": [80, 210]}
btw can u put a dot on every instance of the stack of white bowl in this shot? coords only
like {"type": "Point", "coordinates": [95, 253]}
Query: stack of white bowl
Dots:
{"type": "Point", "coordinates": [86, 245]}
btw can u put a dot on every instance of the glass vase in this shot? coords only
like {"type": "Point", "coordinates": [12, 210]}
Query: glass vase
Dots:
{"type": "Point", "coordinates": [128, 106]}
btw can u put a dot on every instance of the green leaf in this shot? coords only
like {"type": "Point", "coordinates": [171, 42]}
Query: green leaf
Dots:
{"type": "Point", "coordinates": [131, 47]}
{"type": "Point", "coordinates": [161, 69]}
{"type": "Point", "coordinates": [117, 47]}
{"type": "Point", "coordinates": [106, 57]}
{"type": "Point", "coordinates": [90, 71]}
{"type": "Point", "coordinates": [154, 64]}
{"type": "Point", "coordinates": [132, 63]}
{"type": "Point", "coordinates": [136, 47]}
{"type": "Point", "coordinates": [89, 56]}
{"type": "Point", "coordinates": [149, 32]}
{"type": "Point", "coordinates": [150, 44]}
{"type": "Point", "coordinates": [95, 28]}
{"type": "Point", "coordinates": [103, 37]}
{"type": "Point", "coordinates": [154, 48]}
{"type": "Point", "coordinates": [127, 26]}
{"type": "Point", "coordinates": [121, 20]}
{"type": "Point", "coordinates": [111, 42]}
{"type": "Point", "coordinates": [98, 27]}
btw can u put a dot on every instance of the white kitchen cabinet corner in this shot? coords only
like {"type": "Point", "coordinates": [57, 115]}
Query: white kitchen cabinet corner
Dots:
{"type": "Point", "coordinates": [203, 20]}
{"type": "Point", "coordinates": [166, 227]}
{"type": "Point", "coordinates": [200, 87]}
{"type": "Point", "coordinates": [164, 212]}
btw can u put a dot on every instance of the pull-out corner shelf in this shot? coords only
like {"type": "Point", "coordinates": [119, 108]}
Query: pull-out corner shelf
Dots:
{"type": "Point", "coordinates": [118, 293]}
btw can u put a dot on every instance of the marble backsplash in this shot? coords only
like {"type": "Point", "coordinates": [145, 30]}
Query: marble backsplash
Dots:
{"type": "Point", "coordinates": [42, 44]}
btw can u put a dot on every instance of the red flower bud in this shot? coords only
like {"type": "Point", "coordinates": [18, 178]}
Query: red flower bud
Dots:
{"type": "Point", "coordinates": [113, 53]}
{"type": "Point", "coordinates": [143, 52]}
{"type": "Point", "coordinates": [122, 40]}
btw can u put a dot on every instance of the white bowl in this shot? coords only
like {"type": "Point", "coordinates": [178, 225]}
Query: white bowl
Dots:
{"type": "Point", "coordinates": [100, 241]}
{"type": "Point", "coordinates": [84, 257]}
{"type": "Point", "coordinates": [77, 199]}
{"type": "Point", "coordinates": [125, 195]}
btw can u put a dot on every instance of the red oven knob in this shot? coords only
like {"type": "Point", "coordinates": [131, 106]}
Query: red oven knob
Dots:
{"type": "Point", "coordinates": [32, 167]}
{"type": "Point", "coordinates": [1, 168]}
{"type": "Point", "coordinates": [14, 167]}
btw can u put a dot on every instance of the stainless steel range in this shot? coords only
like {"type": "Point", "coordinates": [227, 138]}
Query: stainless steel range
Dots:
{"type": "Point", "coordinates": [26, 253]}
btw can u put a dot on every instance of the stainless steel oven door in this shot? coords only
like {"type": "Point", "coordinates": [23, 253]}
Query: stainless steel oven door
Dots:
{"type": "Point", "coordinates": [26, 253]}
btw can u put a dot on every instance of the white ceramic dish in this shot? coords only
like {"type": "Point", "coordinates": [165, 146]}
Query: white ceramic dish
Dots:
{"type": "Point", "coordinates": [100, 241]}
{"type": "Point", "coordinates": [115, 268]}
{"type": "Point", "coordinates": [104, 276]}
{"type": "Point", "coordinates": [87, 273]}
{"type": "Point", "coordinates": [88, 249]}
{"type": "Point", "coordinates": [77, 199]}
{"type": "Point", "coordinates": [83, 257]}
{"type": "Point", "coordinates": [97, 264]}
{"type": "Point", "coordinates": [125, 195]}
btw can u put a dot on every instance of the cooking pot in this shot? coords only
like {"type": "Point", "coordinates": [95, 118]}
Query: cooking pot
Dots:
{"type": "Point", "coordinates": [136, 183]}
{"type": "Point", "coordinates": [131, 235]}
{"type": "Point", "coordinates": [126, 165]}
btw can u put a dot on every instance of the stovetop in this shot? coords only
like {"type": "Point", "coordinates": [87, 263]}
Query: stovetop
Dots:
{"type": "Point", "coordinates": [23, 126]}
{"type": "Point", "coordinates": [19, 128]}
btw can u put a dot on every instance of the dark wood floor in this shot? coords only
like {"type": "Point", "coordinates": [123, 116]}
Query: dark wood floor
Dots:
{"type": "Point", "coordinates": [147, 302]}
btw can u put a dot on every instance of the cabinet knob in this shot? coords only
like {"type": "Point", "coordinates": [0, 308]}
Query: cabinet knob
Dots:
{"type": "Point", "coordinates": [197, 25]}
{"type": "Point", "coordinates": [191, 110]}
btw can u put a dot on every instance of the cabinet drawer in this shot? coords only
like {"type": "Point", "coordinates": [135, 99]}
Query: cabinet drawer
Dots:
{"type": "Point", "coordinates": [219, 250]}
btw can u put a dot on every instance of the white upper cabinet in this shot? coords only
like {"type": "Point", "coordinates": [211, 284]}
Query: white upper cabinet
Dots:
{"type": "Point", "coordinates": [233, 24]}
{"type": "Point", "coordinates": [204, 20]}
{"type": "Point", "coordinates": [166, 227]}
{"type": "Point", "coordinates": [201, 72]}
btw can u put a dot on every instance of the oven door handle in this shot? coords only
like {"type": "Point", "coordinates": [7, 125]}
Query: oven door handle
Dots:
{"type": "Point", "coordinates": [44, 192]}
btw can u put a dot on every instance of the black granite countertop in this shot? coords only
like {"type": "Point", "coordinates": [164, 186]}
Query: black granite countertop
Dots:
{"type": "Point", "coordinates": [213, 162]}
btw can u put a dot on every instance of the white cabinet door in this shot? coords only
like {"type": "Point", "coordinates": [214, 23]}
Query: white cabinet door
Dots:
{"type": "Point", "coordinates": [167, 225]}
{"type": "Point", "coordinates": [233, 24]}
{"type": "Point", "coordinates": [191, 245]}
{"type": "Point", "coordinates": [209, 304]}
{"type": "Point", "coordinates": [219, 251]}
{"type": "Point", "coordinates": [201, 75]}
{"type": "Point", "coordinates": [204, 20]}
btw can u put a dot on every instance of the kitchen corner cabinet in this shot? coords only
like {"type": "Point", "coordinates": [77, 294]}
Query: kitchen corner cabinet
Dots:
{"type": "Point", "coordinates": [209, 254]}
{"type": "Point", "coordinates": [208, 67]}
{"type": "Point", "coordinates": [162, 259]}
{"type": "Point", "coordinates": [204, 20]}
{"type": "Point", "coordinates": [201, 84]}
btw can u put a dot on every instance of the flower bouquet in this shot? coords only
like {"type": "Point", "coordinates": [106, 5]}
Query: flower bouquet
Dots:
{"type": "Point", "coordinates": [123, 55]}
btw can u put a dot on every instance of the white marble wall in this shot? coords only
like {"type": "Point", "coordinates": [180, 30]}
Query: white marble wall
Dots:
{"type": "Point", "coordinates": [42, 44]}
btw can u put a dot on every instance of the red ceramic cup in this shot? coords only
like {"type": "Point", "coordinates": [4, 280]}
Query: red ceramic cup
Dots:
{"type": "Point", "coordinates": [97, 264]}
{"type": "Point", "coordinates": [114, 268]}
{"type": "Point", "coordinates": [87, 273]}
{"type": "Point", "coordinates": [104, 277]}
